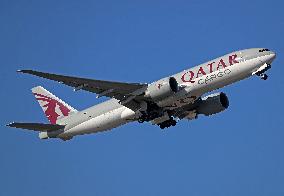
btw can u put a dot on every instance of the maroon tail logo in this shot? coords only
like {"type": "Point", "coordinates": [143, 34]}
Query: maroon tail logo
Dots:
{"type": "Point", "coordinates": [50, 108]}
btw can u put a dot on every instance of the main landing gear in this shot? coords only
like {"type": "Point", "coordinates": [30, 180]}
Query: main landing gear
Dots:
{"type": "Point", "coordinates": [168, 123]}
{"type": "Point", "coordinates": [162, 125]}
{"type": "Point", "coordinates": [155, 114]}
{"type": "Point", "coordinates": [152, 112]}
{"type": "Point", "coordinates": [148, 116]}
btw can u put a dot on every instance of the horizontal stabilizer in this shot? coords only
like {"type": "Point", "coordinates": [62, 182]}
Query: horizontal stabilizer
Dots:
{"type": "Point", "coordinates": [37, 126]}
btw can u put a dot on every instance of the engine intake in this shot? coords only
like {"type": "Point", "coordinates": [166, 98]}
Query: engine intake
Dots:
{"type": "Point", "coordinates": [162, 89]}
{"type": "Point", "coordinates": [213, 104]}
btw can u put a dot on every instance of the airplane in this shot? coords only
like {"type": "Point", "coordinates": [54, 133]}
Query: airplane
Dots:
{"type": "Point", "coordinates": [162, 103]}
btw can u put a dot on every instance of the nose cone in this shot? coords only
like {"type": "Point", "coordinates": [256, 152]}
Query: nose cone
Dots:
{"type": "Point", "coordinates": [272, 57]}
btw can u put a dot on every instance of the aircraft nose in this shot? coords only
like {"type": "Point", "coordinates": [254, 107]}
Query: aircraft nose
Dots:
{"type": "Point", "coordinates": [273, 56]}
{"type": "Point", "coordinates": [268, 55]}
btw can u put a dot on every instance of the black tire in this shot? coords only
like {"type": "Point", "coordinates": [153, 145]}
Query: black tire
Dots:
{"type": "Point", "coordinates": [265, 77]}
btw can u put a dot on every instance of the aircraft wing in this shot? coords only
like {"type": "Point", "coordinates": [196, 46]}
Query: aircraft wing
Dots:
{"type": "Point", "coordinates": [125, 92]}
{"type": "Point", "coordinates": [36, 126]}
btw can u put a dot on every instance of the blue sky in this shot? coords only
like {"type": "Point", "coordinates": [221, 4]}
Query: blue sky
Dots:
{"type": "Point", "coordinates": [238, 152]}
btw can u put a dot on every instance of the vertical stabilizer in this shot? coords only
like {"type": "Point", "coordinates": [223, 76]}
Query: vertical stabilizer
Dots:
{"type": "Point", "coordinates": [53, 107]}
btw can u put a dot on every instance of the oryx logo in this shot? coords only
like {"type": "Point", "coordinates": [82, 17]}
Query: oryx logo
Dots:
{"type": "Point", "coordinates": [52, 108]}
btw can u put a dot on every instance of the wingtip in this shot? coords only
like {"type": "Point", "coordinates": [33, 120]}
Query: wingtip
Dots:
{"type": "Point", "coordinates": [10, 124]}
{"type": "Point", "coordinates": [24, 71]}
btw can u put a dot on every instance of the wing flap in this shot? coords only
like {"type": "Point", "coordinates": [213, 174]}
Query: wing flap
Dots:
{"type": "Point", "coordinates": [37, 126]}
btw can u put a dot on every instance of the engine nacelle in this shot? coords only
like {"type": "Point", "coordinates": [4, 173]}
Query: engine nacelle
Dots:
{"type": "Point", "coordinates": [162, 89]}
{"type": "Point", "coordinates": [213, 104]}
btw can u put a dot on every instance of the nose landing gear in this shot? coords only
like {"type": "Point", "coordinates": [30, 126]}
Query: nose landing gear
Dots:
{"type": "Point", "coordinates": [261, 71]}
{"type": "Point", "coordinates": [263, 76]}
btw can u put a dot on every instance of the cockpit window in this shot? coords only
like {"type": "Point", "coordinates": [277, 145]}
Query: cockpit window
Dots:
{"type": "Point", "coordinates": [263, 50]}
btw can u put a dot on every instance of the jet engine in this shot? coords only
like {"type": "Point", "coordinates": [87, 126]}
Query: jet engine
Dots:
{"type": "Point", "coordinates": [213, 104]}
{"type": "Point", "coordinates": [162, 89]}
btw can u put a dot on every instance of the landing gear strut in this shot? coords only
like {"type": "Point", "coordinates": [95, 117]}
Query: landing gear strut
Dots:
{"type": "Point", "coordinates": [168, 123]}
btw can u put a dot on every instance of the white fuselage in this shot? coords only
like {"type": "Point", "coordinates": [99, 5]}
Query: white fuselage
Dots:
{"type": "Point", "coordinates": [193, 86]}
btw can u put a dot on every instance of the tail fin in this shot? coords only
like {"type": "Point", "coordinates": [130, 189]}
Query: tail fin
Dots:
{"type": "Point", "coordinates": [53, 107]}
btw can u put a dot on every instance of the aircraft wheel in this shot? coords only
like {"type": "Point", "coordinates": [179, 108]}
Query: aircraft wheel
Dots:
{"type": "Point", "coordinates": [265, 77]}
